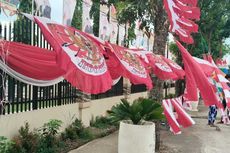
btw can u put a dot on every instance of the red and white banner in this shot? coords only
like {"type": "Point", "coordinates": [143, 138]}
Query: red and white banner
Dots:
{"type": "Point", "coordinates": [177, 69]}
{"type": "Point", "coordinates": [78, 55]}
{"type": "Point", "coordinates": [177, 118]}
{"type": "Point", "coordinates": [220, 79]}
{"type": "Point", "coordinates": [180, 13]}
{"type": "Point", "coordinates": [170, 116]}
{"type": "Point", "coordinates": [123, 62]}
{"type": "Point", "coordinates": [160, 68]}
{"type": "Point", "coordinates": [193, 70]}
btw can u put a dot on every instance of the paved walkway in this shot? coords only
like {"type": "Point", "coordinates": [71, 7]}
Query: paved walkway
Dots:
{"type": "Point", "coordinates": [103, 145]}
{"type": "Point", "coordinates": [199, 138]}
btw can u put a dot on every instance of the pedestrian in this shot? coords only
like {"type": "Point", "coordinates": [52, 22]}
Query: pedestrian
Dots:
{"type": "Point", "coordinates": [212, 115]}
{"type": "Point", "coordinates": [228, 83]}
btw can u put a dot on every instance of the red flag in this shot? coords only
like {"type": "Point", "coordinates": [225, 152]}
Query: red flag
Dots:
{"type": "Point", "coordinates": [168, 112]}
{"type": "Point", "coordinates": [183, 118]}
{"type": "Point", "coordinates": [191, 87]}
{"type": "Point", "coordinates": [206, 66]}
{"type": "Point", "coordinates": [195, 71]}
{"type": "Point", "coordinates": [180, 12]}
{"type": "Point", "coordinates": [128, 64]}
{"type": "Point", "coordinates": [160, 68]}
{"type": "Point", "coordinates": [177, 69]}
{"type": "Point", "coordinates": [78, 55]}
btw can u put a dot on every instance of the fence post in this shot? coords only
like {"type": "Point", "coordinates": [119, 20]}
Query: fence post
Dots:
{"type": "Point", "coordinates": [35, 97]}
{"type": "Point", "coordinates": [59, 93]}
{"type": "Point", "coordinates": [1, 92]}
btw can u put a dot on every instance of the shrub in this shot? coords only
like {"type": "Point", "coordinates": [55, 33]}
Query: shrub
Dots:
{"type": "Point", "coordinates": [26, 141]}
{"type": "Point", "coordinates": [48, 141]}
{"type": "Point", "coordinates": [76, 130]}
{"type": "Point", "coordinates": [100, 122]}
{"type": "Point", "coordinates": [6, 145]}
{"type": "Point", "coordinates": [140, 109]}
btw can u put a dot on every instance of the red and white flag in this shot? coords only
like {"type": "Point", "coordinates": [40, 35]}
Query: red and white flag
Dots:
{"type": "Point", "coordinates": [123, 62]}
{"type": "Point", "coordinates": [177, 69]}
{"type": "Point", "coordinates": [177, 118]}
{"type": "Point", "coordinates": [169, 114]}
{"type": "Point", "coordinates": [192, 69]}
{"type": "Point", "coordinates": [160, 68]}
{"type": "Point", "coordinates": [68, 11]}
{"type": "Point", "coordinates": [78, 55]}
{"type": "Point", "coordinates": [180, 13]}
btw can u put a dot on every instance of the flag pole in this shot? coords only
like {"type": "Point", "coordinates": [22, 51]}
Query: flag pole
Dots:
{"type": "Point", "coordinates": [32, 28]}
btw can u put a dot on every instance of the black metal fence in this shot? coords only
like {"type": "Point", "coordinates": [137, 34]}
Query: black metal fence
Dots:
{"type": "Point", "coordinates": [138, 88]}
{"type": "Point", "coordinates": [16, 96]}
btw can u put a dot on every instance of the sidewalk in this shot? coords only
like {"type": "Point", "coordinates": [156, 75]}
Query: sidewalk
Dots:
{"type": "Point", "coordinates": [107, 144]}
{"type": "Point", "coordinates": [199, 138]}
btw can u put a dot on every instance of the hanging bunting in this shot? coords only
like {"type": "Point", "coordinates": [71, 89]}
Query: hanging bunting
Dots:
{"type": "Point", "coordinates": [78, 55]}
{"type": "Point", "coordinates": [180, 13]}
{"type": "Point", "coordinates": [128, 65]}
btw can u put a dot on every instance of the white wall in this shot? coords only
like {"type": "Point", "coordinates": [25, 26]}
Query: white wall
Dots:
{"type": "Point", "coordinates": [10, 124]}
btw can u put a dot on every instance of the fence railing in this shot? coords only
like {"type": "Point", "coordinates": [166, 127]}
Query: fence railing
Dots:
{"type": "Point", "coordinates": [16, 96]}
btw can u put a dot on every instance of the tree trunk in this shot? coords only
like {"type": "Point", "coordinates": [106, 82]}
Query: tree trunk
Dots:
{"type": "Point", "coordinates": [161, 26]}
{"type": "Point", "coordinates": [209, 42]}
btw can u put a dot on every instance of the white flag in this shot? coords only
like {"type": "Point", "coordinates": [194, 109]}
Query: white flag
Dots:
{"type": "Point", "coordinates": [68, 10]}
{"type": "Point", "coordinates": [44, 7]}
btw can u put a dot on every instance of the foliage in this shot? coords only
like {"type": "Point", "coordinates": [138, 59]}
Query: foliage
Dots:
{"type": "Point", "coordinates": [26, 141]}
{"type": "Point", "coordinates": [140, 109]}
{"type": "Point", "coordinates": [76, 130]}
{"type": "Point", "coordinates": [100, 122]}
{"type": "Point", "coordinates": [6, 145]}
{"type": "Point", "coordinates": [77, 16]}
{"type": "Point", "coordinates": [213, 28]}
{"type": "Point", "coordinates": [95, 15]}
{"type": "Point", "coordinates": [48, 141]}
{"type": "Point", "coordinates": [23, 23]}
{"type": "Point", "coordinates": [51, 128]}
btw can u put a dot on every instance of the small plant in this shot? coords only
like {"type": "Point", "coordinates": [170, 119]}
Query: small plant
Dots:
{"type": "Point", "coordinates": [100, 122]}
{"type": "Point", "coordinates": [76, 130]}
{"type": "Point", "coordinates": [26, 141]}
{"type": "Point", "coordinates": [6, 145]}
{"type": "Point", "coordinates": [48, 142]}
{"type": "Point", "coordinates": [140, 109]}
{"type": "Point", "coordinates": [51, 128]}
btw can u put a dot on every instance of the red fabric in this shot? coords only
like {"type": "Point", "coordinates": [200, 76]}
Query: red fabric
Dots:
{"type": "Point", "coordinates": [175, 67]}
{"type": "Point", "coordinates": [160, 68]}
{"type": "Point", "coordinates": [171, 117]}
{"type": "Point", "coordinates": [190, 2]}
{"type": "Point", "coordinates": [183, 118]}
{"type": "Point", "coordinates": [128, 65]}
{"type": "Point", "coordinates": [179, 14]}
{"type": "Point", "coordinates": [187, 24]}
{"type": "Point", "coordinates": [206, 66]}
{"type": "Point", "coordinates": [79, 56]}
{"type": "Point", "coordinates": [184, 36]}
{"type": "Point", "coordinates": [201, 80]}
{"type": "Point", "coordinates": [191, 87]}
{"type": "Point", "coordinates": [33, 62]}
{"type": "Point", "coordinates": [189, 12]}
